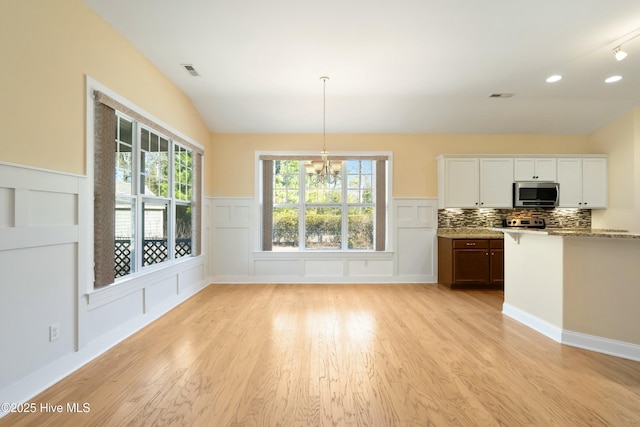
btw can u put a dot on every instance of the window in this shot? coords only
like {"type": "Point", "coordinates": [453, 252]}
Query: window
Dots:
{"type": "Point", "coordinates": [302, 212]}
{"type": "Point", "coordinates": [146, 196]}
{"type": "Point", "coordinates": [158, 203]}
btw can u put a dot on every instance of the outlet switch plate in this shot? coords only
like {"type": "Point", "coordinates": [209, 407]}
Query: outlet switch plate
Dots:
{"type": "Point", "coordinates": [54, 331]}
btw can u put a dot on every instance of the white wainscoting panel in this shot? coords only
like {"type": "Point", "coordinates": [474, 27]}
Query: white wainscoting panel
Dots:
{"type": "Point", "coordinates": [160, 292]}
{"type": "Point", "coordinates": [416, 242]}
{"type": "Point", "coordinates": [370, 268]}
{"type": "Point", "coordinates": [269, 268]}
{"type": "Point", "coordinates": [106, 317]}
{"type": "Point", "coordinates": [207, 207]}
{"type": "Point", "coordinates": [231, 237]}
{"type": "Point", "coordinates": [46, 278]}
{"type": "Point", "coordinates": [7, 208]}
{"type": "Point", "coordinates": [324, 268]}
{"type": "Point", "coordinates": [235, 258]}
{"type": "Point", "coordinates": [38, 267]}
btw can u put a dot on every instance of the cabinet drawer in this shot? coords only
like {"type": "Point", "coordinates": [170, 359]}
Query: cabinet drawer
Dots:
{"type": "Point", "coordinates": [496, 243]}
{"type": "Point", "coordinates": [470, 244]}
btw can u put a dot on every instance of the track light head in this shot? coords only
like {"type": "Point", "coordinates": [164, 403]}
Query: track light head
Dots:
{"type": "Point", "coordinates": [619, 53]}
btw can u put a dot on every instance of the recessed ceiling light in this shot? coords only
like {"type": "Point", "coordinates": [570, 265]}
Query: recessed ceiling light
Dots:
{"type": "Point", "coordinates": [613, 79]}
{"type": "Point", "coordinates": [554, 78]}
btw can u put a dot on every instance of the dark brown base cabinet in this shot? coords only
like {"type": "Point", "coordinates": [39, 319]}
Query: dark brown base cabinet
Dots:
{"type": "Point", "coordinates": [471, 263]}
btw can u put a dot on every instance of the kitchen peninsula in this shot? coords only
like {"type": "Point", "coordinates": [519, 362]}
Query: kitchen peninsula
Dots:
{"type": "Point", "coordinates": [580, 287]}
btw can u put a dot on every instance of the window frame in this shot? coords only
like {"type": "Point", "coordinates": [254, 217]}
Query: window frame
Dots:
{"type": "Point", "coordinates": [382, 243]}
{"type": "Point", "coordinates": [140, 198]}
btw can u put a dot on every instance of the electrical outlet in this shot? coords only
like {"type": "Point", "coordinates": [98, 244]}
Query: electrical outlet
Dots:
{"type": "Point", "coordinates": [54, 331]}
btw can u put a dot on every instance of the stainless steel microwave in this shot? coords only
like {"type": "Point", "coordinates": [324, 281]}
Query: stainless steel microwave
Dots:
{"type": "Point", "coordinates": [535, 194]}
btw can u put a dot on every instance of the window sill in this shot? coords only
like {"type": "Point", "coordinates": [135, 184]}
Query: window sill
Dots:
{"type": "Point", "coordinates": [139, 280]}
{"type": "Point", "coordinates": [325, 254]}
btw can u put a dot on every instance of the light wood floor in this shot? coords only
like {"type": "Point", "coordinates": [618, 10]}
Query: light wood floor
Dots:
{"type": "Point", "coordinates": [345, 355]}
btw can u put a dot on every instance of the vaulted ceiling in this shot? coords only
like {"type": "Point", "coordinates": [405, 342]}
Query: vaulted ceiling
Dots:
{"type": "Point", "coordinates": [401, 66]}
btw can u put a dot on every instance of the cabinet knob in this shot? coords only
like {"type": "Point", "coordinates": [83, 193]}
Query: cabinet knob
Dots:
{"type": "Point", "coordinates": [487, 253]}
{"type": "Point", "coordinates": [471, 244]}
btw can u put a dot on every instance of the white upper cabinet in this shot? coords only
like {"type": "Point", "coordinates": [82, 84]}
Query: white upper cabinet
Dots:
{"type": "Point", "coordinates": [570, 180]}
{"type": "Point", "coordinates": [475, 183]}
{"type": "Point", "coordinates": [496, 183]}
{"type": "Point", "coordinates": [535, 169]}
{"type": "Point", "coordinates": [594, 183]}
{"type": "Point", "coordinates": [487, 182]}
{"type": "Point", "coordinates": [583, 182]}
{"type": "Point", "coordinates": [458, 183]}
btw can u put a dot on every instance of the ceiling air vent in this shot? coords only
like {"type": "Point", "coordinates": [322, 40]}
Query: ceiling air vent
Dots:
{"type": "Point", "coordinates": [501, 95]}
{"type": "Point", "coordinates": [191, 70]}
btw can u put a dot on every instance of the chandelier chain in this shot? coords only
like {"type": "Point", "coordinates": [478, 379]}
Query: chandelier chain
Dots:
{"type": "Point", "coordinates": [324, 113]}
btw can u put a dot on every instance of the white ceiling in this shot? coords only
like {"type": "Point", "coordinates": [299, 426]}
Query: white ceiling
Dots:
{"type": "Point", "coordinates": [401, 66]}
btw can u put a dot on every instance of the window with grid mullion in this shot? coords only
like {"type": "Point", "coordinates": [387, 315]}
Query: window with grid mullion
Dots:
{"type": "Point", "coordinates": [336, 214]}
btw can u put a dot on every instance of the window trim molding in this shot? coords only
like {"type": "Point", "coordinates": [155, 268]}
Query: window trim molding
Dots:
{"type": "Point", "coordinates": [91, 86]}
{"type": "Point", "coordinates": [293, 155]}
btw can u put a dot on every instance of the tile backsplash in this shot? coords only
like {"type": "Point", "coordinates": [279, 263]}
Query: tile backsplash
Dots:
{"type": "Point", "coordinates": [479, 218]}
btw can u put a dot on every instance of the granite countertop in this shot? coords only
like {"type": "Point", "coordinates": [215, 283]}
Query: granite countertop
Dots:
{"type": "Point", "coordinates": [572, 232]}
{"type": "Point", "coordinates": [470, 233]}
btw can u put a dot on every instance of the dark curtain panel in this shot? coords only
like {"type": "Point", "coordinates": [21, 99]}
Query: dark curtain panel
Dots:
{"type": "Point", "coordinates": [104, 190]}
{"type": "Point", "coordinates": [381, 204]}
{"type": "Point", "coordinates": [267, 205]}
{"type": "Point", "coordinates": [197, 204]}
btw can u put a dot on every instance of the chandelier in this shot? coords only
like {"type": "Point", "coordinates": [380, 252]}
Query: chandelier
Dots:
{"type": "Point", "coordinates": [324, 168]}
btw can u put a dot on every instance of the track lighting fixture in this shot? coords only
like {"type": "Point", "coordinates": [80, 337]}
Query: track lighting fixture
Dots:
{"type": "Point", "coordinates": [619, 53]}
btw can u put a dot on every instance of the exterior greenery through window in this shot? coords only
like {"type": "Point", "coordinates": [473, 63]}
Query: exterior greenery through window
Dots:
{"type": "Point", "coordinates": [154, 193]}
{"type": "Point", "coordinates": [309, 213]}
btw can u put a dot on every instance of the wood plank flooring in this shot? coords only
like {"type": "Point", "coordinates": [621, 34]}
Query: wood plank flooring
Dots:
{"type": "Point", "coordinates": [344, 355]}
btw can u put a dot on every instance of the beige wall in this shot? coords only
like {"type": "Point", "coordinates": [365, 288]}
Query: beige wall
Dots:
{"type": "Point", "coordinates": [414, 164]}
{"type": "Point", "coordinates": [602, 301]}
{"type": "Point", "coordinates": [48, 47]}
{"type": "Point", "coordinates": [621, 140]}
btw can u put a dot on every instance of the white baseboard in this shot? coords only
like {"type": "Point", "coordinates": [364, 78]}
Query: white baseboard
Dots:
{"type": "Point", "coordinates": [598, 344]}
{"type": "Point", "coordinates": [535, 323]}
{"type": "Point", "coordinates": [608, 346]}
{"type": "Point", "coordinates": [324, 279]}
{"type": "Point", "coordinates": [45, 377]}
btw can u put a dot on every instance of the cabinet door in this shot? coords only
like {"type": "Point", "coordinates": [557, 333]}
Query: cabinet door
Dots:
{"type": "Point", "coordinates": [471, 266]}
{"type": "Point", "coordinates": [496, 183]}
{"type": "Point", "coordinates": [524, 169]}
{"type": "Point", "coordinates": [535, 169]}
{"type": "Point", "coordinates": [570, 180]}
{"type": "Point", "coordinates": [496, 261]}
{"type": "Point", "coordinates": [594, 183]}
{"type": "Point", "coordinates": [545, 169]}
{"type": "Point", "coordinates": [461, 183]}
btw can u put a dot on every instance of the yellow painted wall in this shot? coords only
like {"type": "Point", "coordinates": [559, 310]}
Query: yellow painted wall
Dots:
{"type": "Point", "coordinates": [414, 164]}
{"type": "Point", "coordinates": [47, 49]}
{"type": "Point", "coordinates": [621, 140]}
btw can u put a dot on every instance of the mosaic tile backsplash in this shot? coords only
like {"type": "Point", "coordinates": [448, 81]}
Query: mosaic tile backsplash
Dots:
{"type": "Point", "coordinates": [480, 218]}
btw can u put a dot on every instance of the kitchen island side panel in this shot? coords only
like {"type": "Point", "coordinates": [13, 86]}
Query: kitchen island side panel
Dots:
{"type": "Point", "coordinates": [533, 276]}
{"type": "Point", "coordinates": [602, 287]}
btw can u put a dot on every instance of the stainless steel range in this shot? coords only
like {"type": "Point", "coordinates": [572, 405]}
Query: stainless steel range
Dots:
{"type": "Point", "coordinates": [524, 222]}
